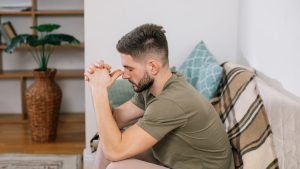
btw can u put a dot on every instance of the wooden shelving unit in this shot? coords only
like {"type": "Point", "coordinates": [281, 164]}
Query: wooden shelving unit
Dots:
{"type": "Point", "coordinates": [80, 46]}
{"type": "Point", "coordinates": [16, 13]}
{"type": "Point", "coordinates": [34, 13]}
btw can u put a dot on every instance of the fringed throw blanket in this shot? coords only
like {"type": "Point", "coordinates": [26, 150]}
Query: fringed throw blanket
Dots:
{"type": "Point", "coordinates": [242, 111]}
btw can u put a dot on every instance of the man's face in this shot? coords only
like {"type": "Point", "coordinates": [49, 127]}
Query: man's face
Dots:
{"type": "Point", "coordinates": [136, 73]}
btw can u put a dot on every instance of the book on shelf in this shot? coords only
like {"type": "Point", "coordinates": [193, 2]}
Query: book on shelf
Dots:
{"type": "Point", "coordinates": [15, 5]}
{"type": "Point", "coordinates": [15, 9]}
{"type": "Point", "coordinates": [7, 31]}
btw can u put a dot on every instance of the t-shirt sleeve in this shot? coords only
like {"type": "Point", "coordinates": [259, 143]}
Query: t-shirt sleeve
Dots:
{"type": "Point", "coordinates": [161, 117]}
{"type": "Point", "coordinates": [138, 100]}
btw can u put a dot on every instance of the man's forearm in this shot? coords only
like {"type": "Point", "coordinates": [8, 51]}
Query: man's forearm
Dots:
{"type": "Point", "coordinates": [121, 122]}
{"type": "Point", "coordinates": [106, 124]}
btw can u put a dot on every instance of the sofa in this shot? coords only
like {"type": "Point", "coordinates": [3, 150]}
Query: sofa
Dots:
{"type": "Point", "coordinates": [261, 122]}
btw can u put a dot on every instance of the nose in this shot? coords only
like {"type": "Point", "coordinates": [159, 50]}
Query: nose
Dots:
{"type": "Point", "coordinates": [125, 75]}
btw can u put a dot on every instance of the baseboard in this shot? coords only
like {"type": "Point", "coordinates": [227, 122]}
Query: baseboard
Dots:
{"type": "Point", "coordinates": [88, 159]}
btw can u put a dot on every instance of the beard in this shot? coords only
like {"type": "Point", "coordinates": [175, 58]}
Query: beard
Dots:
{"type": "Point", "coordinates": [145, 83]}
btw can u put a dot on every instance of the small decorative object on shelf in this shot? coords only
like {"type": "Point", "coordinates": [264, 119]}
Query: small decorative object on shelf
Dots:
{"type": "Point", "coordinates": [9, 29]}
{"type": "Point", "coordinates": [13, 6]}
{"type": "Point", "coordinates": [43, 97]}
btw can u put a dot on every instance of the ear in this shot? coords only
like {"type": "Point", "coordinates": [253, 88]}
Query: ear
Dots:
{"type": "Point", "coordinates": [153, 66]}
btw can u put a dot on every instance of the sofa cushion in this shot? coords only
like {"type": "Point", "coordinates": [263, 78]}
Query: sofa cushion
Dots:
{"type": "Point", "coordinates": [202, 70]}
{"type": "Point", "coordinates": [120, 92]}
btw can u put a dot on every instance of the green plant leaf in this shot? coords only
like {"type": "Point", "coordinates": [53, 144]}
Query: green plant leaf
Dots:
{"type": "Point", "coordinates": [19, 40]}
{"type": "Point", "coordinates": [41, 45]}
{"type": "Point", "coordinates": [59, 39]}
{"type": "Point", "coordinates": [46, 27]}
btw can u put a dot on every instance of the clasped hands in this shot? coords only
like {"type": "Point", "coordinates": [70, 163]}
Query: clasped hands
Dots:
{"type": "Point", "coordinates": [99, 75]}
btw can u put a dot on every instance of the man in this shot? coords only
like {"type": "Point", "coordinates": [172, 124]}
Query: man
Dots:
{"type": "Point", "coordinates": [174, 121]}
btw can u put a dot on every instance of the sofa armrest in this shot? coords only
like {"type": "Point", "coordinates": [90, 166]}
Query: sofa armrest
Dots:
{"type": "Point", "coordinates": [283, 113]}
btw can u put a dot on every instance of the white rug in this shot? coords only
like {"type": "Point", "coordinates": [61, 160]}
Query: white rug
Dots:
{"type": "Point", "coordinates": [39, 161]}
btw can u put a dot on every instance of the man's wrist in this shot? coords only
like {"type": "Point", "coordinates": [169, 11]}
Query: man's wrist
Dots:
{"type": "Point", "coordinates": [99, 91]}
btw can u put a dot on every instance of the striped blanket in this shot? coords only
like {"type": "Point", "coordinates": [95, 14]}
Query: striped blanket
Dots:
{"type": "Point", "coordinates": [242, 111]}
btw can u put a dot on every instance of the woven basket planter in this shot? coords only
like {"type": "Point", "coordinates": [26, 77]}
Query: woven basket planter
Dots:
{"type": "Point", "coordinates": [43, 100]}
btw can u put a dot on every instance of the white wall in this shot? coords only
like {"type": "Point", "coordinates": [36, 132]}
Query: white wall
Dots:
{"type": "Point", "coordinates": [73, 89]}
{"type": "Point", "coordinates": [269, 40]}
{"type": "Point", "coordinates": [186, 23]}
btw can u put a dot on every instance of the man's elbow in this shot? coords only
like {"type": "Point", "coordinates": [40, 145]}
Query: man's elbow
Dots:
{"type": "Point", "coordinates": [113, 155]}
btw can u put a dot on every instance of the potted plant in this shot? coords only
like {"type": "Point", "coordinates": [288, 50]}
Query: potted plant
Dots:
{"type": "Point", "coordinates": [43, 97]}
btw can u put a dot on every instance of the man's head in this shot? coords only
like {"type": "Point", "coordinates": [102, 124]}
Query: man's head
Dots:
{"type": "Point", "coordinates": [144, 52]}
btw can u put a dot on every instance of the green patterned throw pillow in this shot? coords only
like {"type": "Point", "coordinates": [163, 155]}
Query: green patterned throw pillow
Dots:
{"type": "Point", "coordinates": [202, 70]}
{"type": "Point", "coordinates": [120, 92]}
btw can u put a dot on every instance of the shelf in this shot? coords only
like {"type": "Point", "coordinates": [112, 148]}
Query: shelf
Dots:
{"type": "Point", "coordinates": [64, 12]}
{"type": "Point", "coordinates": [80, 46]}
{"type": "Point", "coordinates": [13, 74]}
{"type": "Point", "coordinates": [15, 13]}
{"type": "Point", "coordinates": [44, 12]}
{"type": "Point", "coordinates": [3, 46]}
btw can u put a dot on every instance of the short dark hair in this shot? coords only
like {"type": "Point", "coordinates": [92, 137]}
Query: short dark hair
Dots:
{"type": "Point", "coordinates": [143, 40]}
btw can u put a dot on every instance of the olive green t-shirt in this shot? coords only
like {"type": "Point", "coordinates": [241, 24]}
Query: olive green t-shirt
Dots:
{"type": "Point", "coordinates": [189, 132]}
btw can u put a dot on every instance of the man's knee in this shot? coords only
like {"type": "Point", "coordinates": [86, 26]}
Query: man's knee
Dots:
{"type": "Point", "coordinates": [115, 165]}
{"type": "Point", "coordinates": [125, 164]}
{"type": "Point", "coordinates": [133, 164]}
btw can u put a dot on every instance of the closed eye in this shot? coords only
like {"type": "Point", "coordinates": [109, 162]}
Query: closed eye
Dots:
{"type": "Point", "coordinates": [130, 69]}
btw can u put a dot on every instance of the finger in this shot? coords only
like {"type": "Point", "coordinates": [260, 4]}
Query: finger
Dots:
{"type": "Point", "coordinates": [99, 63]}
{"type": "Point", "coordinates": [92, 69]}
{"type": "Point", "coordinates": [102, 66]}
{"type": "Point", "coordinates": [86, 76]}
{"type": "Point", "coordinates": [99, 66]}
{"type": "Point", "coordinates": [107, 66]}
{"type": "Point", "coordinates": [115, 74]}
{"type": "Point", "coordinates": [93, 66]}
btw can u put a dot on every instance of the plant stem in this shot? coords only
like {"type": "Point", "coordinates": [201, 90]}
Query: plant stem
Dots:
{"type": "Point", "coordinates": [35, 56]}
{"type": "Point", "coordinates": [50, 50]}
{"type": "Point", "coordinates": [44, 63]}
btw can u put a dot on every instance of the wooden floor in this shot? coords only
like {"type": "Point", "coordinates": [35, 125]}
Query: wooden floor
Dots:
{"type": "Point", "coordinates": [15, 136]}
